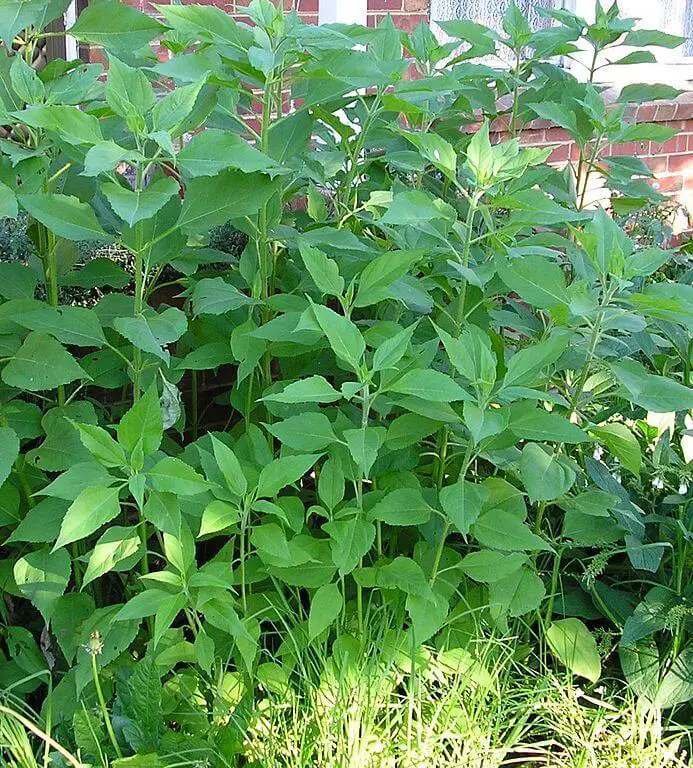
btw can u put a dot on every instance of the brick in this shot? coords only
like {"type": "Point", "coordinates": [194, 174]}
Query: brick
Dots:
{"type": "Point", "coordinates": [668, 147]}
{"type": "Point", "coordinates": [384, 5]}
{"type": "Point", "coordinates": [680, 164]}
{"type": "Point", "coordinates": [629, 148]}
{"type": "Point", "coordinates": [665, 111]}
{"type": "Point", "coordinates": [684, 110]}
{"type": "Point", "coordinates": [557, 134]}
{"type": "Point", "coordinates": [417, 6]}
{"type": "Point", "coordinates": [532, 138]}
{"type": "Point", "coordinates": [560, 154]}
{"type": "Point", "coordinates": [667, 184]}
{"type": "Point", "coordinates": [646, 113]}
{"type": "Point", "coordinates": [657, 164]}
{"type": "Point", "coordinates": [408, 23]}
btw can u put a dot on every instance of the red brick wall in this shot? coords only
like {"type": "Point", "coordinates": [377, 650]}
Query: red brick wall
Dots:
{"type": "Point", "coordinates": [672, 163]}
{"type": "Point", "coordinates": [407, 14]}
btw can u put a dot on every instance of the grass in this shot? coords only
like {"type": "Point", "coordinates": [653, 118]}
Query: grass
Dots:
{"type": "Point", "coordinates": [454, 713]}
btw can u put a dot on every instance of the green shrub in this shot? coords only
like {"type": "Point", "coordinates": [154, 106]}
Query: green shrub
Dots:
{"type": "Point", "coordinates": [428, 396]}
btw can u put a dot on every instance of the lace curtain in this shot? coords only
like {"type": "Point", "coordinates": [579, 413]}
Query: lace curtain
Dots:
{"type": "Point", "coordinates": [488, 12]}
{"type": "Point", "coordinates": [672, 16]}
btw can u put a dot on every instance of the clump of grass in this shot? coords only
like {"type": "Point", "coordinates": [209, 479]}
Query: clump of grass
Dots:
{"type": "Point", "coordinates": [455, 709]}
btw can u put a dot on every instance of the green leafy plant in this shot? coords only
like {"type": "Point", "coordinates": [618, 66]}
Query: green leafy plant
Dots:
{"type": "Point", "coordinates": [422, 395]}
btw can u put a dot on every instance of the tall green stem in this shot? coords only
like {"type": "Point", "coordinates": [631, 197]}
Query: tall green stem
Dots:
{"type": "Point", "coordinates": [104, 709]}
{"type": "Point", "coordinates": [466, 250]}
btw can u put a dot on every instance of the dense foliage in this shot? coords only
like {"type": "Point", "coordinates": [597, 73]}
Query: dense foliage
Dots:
{"type": "Point", "coordinates": [436, 399]}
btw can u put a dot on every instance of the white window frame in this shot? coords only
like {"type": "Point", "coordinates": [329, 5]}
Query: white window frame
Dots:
{"type": "Point", "coordinates": [675, 70]}
{"type": "Point", "coordinates": [71, 44]}
{"type": "Point", "coordinates": [343, 11]}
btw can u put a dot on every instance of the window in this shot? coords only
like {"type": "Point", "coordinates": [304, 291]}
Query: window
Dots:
{"type": "Point", "coordinates": [490, 13]}
{"type": "Point", "coordinates": [674, 66]}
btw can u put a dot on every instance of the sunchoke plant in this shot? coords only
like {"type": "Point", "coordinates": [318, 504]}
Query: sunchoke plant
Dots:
{"type": "Point", "coordinates": [439, 391]}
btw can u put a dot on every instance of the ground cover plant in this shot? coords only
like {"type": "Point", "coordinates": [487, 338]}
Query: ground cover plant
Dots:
{"type": "Point", "coordinates": [363, 485]}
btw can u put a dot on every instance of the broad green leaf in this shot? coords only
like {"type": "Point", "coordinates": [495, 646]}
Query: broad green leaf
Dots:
{"type": "Point", "coordinates": [210, 202]}
{"type": "Point", "coordinates": [172, 110]}
{"type": "Point", "coordinates": [622, 443]}
{"type": "Point", "coordinates": [390, 352]}
{"type": "Point", "coordinates": [104, 156]}
{"type": "Point", "coordinates": [429, 384]}
{"type": "Point", "coordinates": [488, 566]}
{"type": "Point", "coordinates": [641, 38]}
{"type": "Point", "coordinates": [531, 423]}
{"type": "Point", "coordinates": [676, 686]}
{"type": "Point", "coordinates": [479, 161]}
{"type": "Point", "coordinates": [77, 326]}
{"type": "Point", "coordinates": [71, 125]}
{"type": "Point", "coordinates": [9, 450]}
{"type": "Point", "coordinates": [95, 506]}
{"type": "Point", "coordinates": [64, 215]}
{"type": "Point", "coordinates": [116, 545]}
{"type": "Point", "coordinates": [325, 606]}
{"type": "Point", "coordinates": [380, 273]}
{"type": "Point", "coordinates": [230, 467]}
{"type": "Point", "coordinates": [472, 356]}
{"type": "Point", "coordinates": [142, 605]}
{"type": "Point", "coordinates": [573, 645]}
{"type": "Point", "coordinates": [516, 594]}
{"type": "Point", "coordinates": [525, 365]}
{"type": "Point", "coordinates": [101, 445]}
{"type": "Point", "coordinates": [415, 207]}
{"type": "Point", "coordinates": [212, 151]}
{"type": "Point", "coordinates": [640, 92]}
{"type": "Point", "coordinates": [640, 665]}
{"type": "Point", "coordinates": [350, 540]}
{"type": "Point", "coordinates": [41, 363]}
{"type": "Point", "coordinates": [323, 270]}
{"type": "Point", "coordinates": [304, 432]}
{"type": "Point", "coordinates": [132, 205]}
{"type": "Point", "coordinates": [343, 336]}
{"type": "Point", "coordinates": [405, 574]}
{"type": "Point", "coordinates": [404, 506]}
{"type": "Point", "coordinates": [116, 26]}
{"type": "Point", "coordinates": [498, 529]}
{"type": "Point", "coordinates": [462, 503]}
{"type": "Point", "coordinates": [41, 524]}
{"type": "Point", "coordinates": [142, 424]}
{"type": "Point", "coordinates": [536, 279]}
{"type": "Point", "coordinates": [331, 484]}
{"type": "Point", "coordinates": [17, 281]}
{"type": "Point", "coordinates": [544, 475]}
{"type": "Point", "coordinates": [364, 444]}
{"type": "Point", "coordinates": [217, 516]}
{"type": "Point", "coordinates": [128, 91]}
{"type": "Point", "coordinates": [214, 296]}
{"type": "Point", "coordinates": [8, 202]}
{"type": "Point", "coordinates": [275, 549]}
{"type": "Point", "coordinates": [436, 150]}
{"type": "Point", "coordinates": [314, 389]}
{"type": "Point", "coordinates": [171, 475]}
{"type": "Point", "coordinates": [484, 422]}
{"type": "Point", "coordinates": [282, 472]}
{"type": "Point", "coordinates": [42, 577]}
{"type": "Point", "coordinates": [654, 393]}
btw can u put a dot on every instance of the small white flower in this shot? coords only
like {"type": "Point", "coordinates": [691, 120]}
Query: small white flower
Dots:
{"type": "Point", "coordinates": [683, 489]}
{"type": "Point", "coordinates": [598, 453]}
{"type": "Point", "coordinates": [658, 483]}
